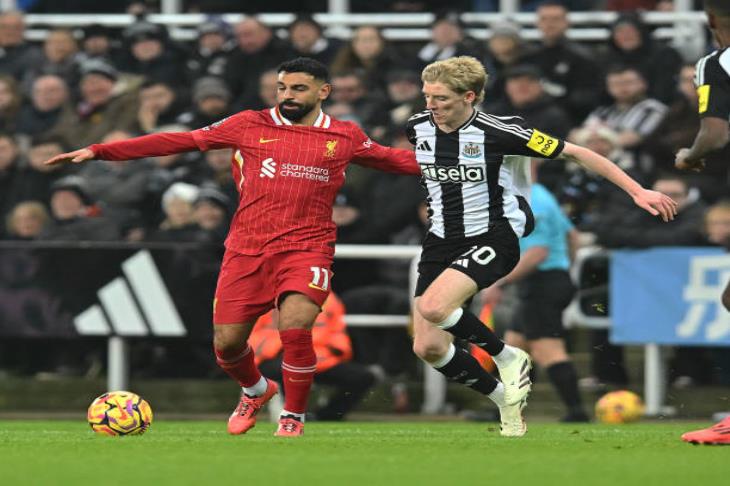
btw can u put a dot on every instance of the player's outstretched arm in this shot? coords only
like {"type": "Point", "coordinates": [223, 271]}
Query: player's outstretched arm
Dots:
{"type": "Point", "coordinates": [654, 202]}
{"type": "Point", "coordinates": [75, 157]}
{"type": "Point", "coordinates": [713, 135]}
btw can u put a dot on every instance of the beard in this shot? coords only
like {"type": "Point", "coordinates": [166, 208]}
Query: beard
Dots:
{"type": "Point", "coordinates": [294, 111]}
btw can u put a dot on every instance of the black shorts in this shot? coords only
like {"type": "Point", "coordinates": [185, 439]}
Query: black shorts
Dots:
{"type": "Point", "coordinates": [542, 298]}
{"type": "Point", "coordinates": [484, 258]}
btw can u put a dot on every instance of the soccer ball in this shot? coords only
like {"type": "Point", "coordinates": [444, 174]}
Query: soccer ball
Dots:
{"type": "Point", "coordinates": [119, 413]}
{"type": "Point", "coordinates": [619, 407]}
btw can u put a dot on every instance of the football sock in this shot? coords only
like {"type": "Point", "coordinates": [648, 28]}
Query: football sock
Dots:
{"type": "Point", "coordinates": [287, 414]}
{"type": "Point", "coordinates": [258, 389]}
{"type": "Point", "coordinates": [297, 368]}
{"type": "Point", "coordinates": [239, 365]}
{"type": "Point", "coordinates": [466, 325]}
{"type": "Point", "coordinates": [497, 396]}
{"type": "Point", "coordinates": [460, 366]}
{"type": "Point", "coordinates": [505, 356]}
{"type": "Point", "coordinates": [565, 380]}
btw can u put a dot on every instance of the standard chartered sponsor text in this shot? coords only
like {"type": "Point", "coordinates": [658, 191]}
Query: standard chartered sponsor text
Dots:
{"type": "Point", "coordinates": [309, 172]}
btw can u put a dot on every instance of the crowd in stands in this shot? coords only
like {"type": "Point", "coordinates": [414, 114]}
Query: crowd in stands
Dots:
{"type": "Point", "coordinates": [630, 99]}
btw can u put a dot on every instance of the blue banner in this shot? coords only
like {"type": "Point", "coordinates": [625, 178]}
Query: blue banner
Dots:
{"type": "Point", "coordinates": [669, 296]}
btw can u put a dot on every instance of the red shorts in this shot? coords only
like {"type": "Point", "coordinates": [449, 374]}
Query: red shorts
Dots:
{"type": "Point", "coordinates": [249, 286]}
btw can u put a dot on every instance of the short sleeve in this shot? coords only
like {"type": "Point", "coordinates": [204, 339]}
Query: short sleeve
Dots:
{"type": "Point", "coordinates": [224, 133]}
{"type": "Point", "coordinates": [713, 86]}
{"type": "Point", "coordinates": [515, 137]}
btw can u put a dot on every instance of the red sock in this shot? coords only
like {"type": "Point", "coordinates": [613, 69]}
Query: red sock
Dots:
{"type": "Point", "coordinates": [297, 368]}
{"type": "Point", "coordinates": [239, 365]}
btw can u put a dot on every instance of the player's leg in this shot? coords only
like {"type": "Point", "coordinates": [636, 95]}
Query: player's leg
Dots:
{"type": "Point", "coordinates": [441, 306]}
{"type": "Point", "coordinates": [239, 301]}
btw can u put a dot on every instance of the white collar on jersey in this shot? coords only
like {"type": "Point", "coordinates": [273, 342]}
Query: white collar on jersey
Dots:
{"type": "Point", "coordinates": [323, 120]}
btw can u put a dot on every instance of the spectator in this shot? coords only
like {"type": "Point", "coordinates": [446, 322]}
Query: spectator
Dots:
{"type": "Point", "coordinates": [149, 53]}
{"type": "Point", "coordinates": [211, 213]}
{"type": "Point", "coordinates": [35, 179]}
{"type": "Point", "coordinates": [527, 98]}
{"type": "Point", "coordinates": [678, 130]}
{"type": "Point", "coordinates": [367, 51]}
{"type": "Point", "coordinates": [97, 42]}
{"type": "Point", "coordinates": [49, 96]}
{"type": "Point", "coordinates": [307, 40]}
{"type": "Point", "coordinates": [100, 110]}
{"type": "Point", "coordinates": [265, 95]}
{"type": "Point", "coordinates": [570, 72]}
{"type": "Point", "coordinates": [59, 57]}
{"type": "Point", "coordinates": [631, 44]}
{"type": "Point", "coordinates": [505, 48]}
{"type": "Point", "coordinates": [16, 56]}
{"type": "Point", "coordinates": [177, 204]}
{"type": "Point", "coordinates": [448, 40]}
{"type": "Point", "coordinates": [404, 97]}
{"type": "Point", "coordinates": [633, 115]}
{"type": "Point", "coordinates": [10, 169]}
{"type": "Point", "coordinates": [159, 104]}
{"type": "Point", "coordinates": [10, 102]}
{"type": "Point", "coordinates": [26, 220]}
{"type": "Point", "coordinates": [333, 350]}
{"type": "Point", "coordinates": [75, 218]}
{"type": "Point", "coordinates": [258, 50]}
{"type": "Point", "coordinates": [366, 108]}
{"type": "Point", "coordinates": [211, 51]}
{"type": "Point", "coordinates": [217, 172]}
{"type": "Point", "coordinates": [211, 99]}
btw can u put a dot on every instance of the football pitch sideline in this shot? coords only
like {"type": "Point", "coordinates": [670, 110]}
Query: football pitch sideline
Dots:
{"type": "Point", "coordinates": [444, 454]}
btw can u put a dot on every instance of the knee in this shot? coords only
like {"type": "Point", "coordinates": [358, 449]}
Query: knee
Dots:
{"type": "Point", "coordinates": [430, 350]}
{"type": "Point", "coordinates": [432, 310]}
{"type": "Point", "coordinates": [226, 342]}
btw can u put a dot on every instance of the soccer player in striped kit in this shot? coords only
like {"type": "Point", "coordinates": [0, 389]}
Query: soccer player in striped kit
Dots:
{"type": "Point", "coordinates": [289, 163]}
{"type": "Point", "coordinates": [477, 197]}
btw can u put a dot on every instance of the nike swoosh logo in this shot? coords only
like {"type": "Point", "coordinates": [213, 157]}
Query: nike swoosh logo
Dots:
{"type": "Point", "coordinates": [298, 381]}
{"type": "Point", "coordinates": [312, 286]}
{"type": "Point", "coordinates": [265, 140]}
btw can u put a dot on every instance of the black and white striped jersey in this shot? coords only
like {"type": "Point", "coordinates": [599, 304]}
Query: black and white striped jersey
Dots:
{"type": "Point", "coordinates": [712, 79]}
{"type": "Point", "coordinates": [642, 117]}
{"type": "Point", "coordinates": [478, 174]}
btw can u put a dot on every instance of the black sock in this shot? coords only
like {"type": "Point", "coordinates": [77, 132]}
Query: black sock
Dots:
{"type": "Point", "coordinates": [465, 369]}
{"type": "Point", "coordinates": [469, 327]}
{"type": "Point", "coordinates": [565, 380]}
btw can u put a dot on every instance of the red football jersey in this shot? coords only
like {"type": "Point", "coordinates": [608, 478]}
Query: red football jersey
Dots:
{"type": "Point", "coordinates": [288, 175]}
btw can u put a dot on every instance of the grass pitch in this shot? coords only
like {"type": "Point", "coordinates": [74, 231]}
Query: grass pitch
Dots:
{"type": "Point", "coordinates": [201, 453]}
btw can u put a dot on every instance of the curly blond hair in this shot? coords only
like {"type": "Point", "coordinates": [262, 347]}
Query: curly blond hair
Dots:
{"type": "Point", "coordinates": [459, 74]}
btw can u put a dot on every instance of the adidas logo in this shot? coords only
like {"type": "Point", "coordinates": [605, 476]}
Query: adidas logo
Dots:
{"type": "Point", "coordinates": [464, 262]}
{"type": "Point", "coordinates": [424, 146]}
{"type": "Point", "coordinates": [138, 305]}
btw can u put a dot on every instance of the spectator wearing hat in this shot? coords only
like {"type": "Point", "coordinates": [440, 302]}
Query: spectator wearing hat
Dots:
{"type": "Point", "coordinates": [570, 75]}
{"type": "Point", "coordinates": [99, 42]}
{"type": "Point", "coordinates": [100, 110]}
{"type": "Point", "coordinates": [211, 103]}
{"type": "Point", "coordinates": [307, 40]}
{"type": "Point", "coordinates": [159, 104]}
{"type": "Point", "coordinates": [212, 49]}
{"type": "Point", "coordinates": [258, 50]}
{"type": "Point", "coordinates": [49, 95]}
{"type": "Point", "coordinates": [505, 48]}
{"type": "Point", "coordinates": [149, 53]}
{"type": "Point", "coordinates": [448, 40]}
{"type": "Point", "coordinates": [16, 55]}
{"type": "Point", "coordinates": [211, 214]}
{"type": "Point", "coordinates": [74, 216]}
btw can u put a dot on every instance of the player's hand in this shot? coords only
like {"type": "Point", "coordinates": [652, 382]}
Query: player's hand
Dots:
{"type": "Point", "coordinates": [656, 203]}
{"type": "Point", "coordinates": [681, 162]}
{"type": "Point", "coordinates": [75, 157]}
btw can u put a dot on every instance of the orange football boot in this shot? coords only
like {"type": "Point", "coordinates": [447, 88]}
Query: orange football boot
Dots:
{"type": "Point", "coordinates": [717, 434]}
{"type": "Point", "coordinates": [289, 427]}
{"type": "Point", "coordinates": [243, 417]}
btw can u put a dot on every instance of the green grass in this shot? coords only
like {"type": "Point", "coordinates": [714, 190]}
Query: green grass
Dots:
{"type": "Point", "coordinates": [201, 453]}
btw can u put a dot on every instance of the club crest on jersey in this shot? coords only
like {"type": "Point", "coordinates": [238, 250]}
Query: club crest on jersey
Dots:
{"type": "Point", "coordinates": [216, 124]}
{"type": "Point", "coordinates": [331, 146]}
{"type": "Point", "coordinates": [471, 151]}
{"type": "Point", "coordinates": [458, 173]}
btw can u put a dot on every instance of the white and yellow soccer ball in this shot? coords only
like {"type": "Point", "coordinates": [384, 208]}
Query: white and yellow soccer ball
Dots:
{"type": "Point", "coordinates": [619, 407]}
{"type": "Point", "coordinates": [119, 413]}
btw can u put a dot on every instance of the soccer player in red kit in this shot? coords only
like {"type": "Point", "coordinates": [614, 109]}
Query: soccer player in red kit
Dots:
{"type": "Point", "coordinates": [289, 163]}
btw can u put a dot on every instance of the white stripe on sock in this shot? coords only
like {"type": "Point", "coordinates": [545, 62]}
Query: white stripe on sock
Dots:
{"type": "Point", "coordinates": [452, 319]}
{"type": "Point", "coordinates": [447, 357]}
